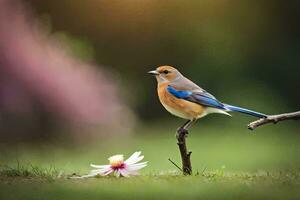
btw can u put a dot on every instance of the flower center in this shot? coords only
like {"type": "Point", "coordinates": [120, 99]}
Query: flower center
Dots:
{"type": "Point", "coordinates": [116, 161]}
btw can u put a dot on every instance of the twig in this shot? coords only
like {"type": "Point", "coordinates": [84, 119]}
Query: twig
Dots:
{"type": "Point", "coordinates": [274, 119]}
{"type": "Point", "coordinates": [175, 164]}
{"type": "Point", "coordinates": [185, 154]}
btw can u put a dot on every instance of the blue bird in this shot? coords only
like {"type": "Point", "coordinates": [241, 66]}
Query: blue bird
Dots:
{"type": "Point", "coordinates": [184, 99]}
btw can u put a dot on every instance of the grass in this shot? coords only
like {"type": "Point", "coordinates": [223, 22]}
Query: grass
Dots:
{"type": "Point", "coordinates": [209, 185]}
{"type": "Point", "coordinates": [28, 171]}
{"type": "Point", "coordinates": [228, 163]}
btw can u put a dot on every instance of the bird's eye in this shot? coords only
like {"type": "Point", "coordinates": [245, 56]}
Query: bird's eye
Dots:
{"type": "Point", "coordinates": [166, 71]}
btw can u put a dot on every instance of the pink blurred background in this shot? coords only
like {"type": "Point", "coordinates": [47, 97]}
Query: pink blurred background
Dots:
{"type": "Point", "coordinates": [44, 87]}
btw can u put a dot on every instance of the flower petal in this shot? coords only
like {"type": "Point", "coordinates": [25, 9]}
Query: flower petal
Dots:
{"type": "Point", "coordinates": [132, 159]}
{"type": "Point", "coordinates": [133, 173]}
{"type": "Point", "coordinates": [100, 171]}
{"type": "Point", "coordinates": [135, 160]}
{"type": "Point", "coordinates": [99, 166]}
{"type": "Point", "coordinates": [135, 167]}
{"type": "Point", "coordinates": [107, 172]}
{"type": "Point", "coordinates": [124, 172]}
{"type": "Point", "coordinates": [95, 172]}
{"type": "Point", "coordinates": [117, 173]}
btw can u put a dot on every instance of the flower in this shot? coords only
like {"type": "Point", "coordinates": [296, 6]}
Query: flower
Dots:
{"type": "Point", "coordinates": [119, 167]}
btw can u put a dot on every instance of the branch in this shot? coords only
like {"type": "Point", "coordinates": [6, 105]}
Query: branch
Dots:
{"type": "Point", "coordinates": [175, 164]}
{"type": "Point", "coordinates": [274, 119]}
{"type": "Point", "coordinates": [185, 154]}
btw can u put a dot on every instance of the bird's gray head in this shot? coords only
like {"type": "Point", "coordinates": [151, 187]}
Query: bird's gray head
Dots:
{"type": "Point", "coordinates": [166, 74]}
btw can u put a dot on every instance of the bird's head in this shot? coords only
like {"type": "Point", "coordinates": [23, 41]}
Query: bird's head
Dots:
{"type": "Point", "coordinates": [165, 74]}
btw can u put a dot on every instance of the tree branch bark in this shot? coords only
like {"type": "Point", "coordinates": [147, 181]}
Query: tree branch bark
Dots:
{"type": "Point", "coordinates": [185, 154]}
{"type": "Point", "coordinates": [274, 119]}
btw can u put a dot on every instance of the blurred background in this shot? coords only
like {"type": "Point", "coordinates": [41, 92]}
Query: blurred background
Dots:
{"type": "Point", "coordinates": [75, 70]}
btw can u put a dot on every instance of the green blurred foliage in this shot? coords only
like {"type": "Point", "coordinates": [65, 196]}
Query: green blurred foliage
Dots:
{"type": "Point", "coordinates": [244, 52]}
{"type": "Point", "coordinates": [271, 148]}
{"type": "Point", "coordinates": [81, 48]}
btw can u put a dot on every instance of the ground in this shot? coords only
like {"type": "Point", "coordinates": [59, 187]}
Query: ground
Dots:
{"type": "Point", "coordinates": [228, 162]}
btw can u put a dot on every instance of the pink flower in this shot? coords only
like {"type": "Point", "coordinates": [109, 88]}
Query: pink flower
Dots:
{"type": "Point", "coordinates": [119, 167]}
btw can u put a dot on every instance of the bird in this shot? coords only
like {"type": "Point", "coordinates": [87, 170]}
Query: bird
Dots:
{"type": "Point", "coordinates": [185, 99]}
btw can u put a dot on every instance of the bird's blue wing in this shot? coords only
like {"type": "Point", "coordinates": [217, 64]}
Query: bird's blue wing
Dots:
{"type": "Point", "coordinates": [181, 94]}
{"type": "Point", "coordinates": [199, 97]}
{"type": "Point", "coordinates": [204, 98]}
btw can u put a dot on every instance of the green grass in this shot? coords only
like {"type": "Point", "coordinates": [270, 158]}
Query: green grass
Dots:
{"type": "Point", "coordinates": [228, 163]}
{"type": "Point", "coordinates": [29, 171]}
{"type": "Point", "coordinates": [210, 185]}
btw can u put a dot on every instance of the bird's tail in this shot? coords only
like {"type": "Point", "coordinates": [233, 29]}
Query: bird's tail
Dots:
{"type": "Point", "coordinates": [245, 111]}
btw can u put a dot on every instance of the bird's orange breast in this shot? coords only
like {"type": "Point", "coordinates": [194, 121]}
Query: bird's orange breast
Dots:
{"type": "Point", "coordinates": [178, 107]}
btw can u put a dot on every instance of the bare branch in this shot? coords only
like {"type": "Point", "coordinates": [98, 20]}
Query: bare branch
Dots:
{"type": "Point", "coordinates": [185, 154]}
{"type": "Point", "coordinates": [274, 119]}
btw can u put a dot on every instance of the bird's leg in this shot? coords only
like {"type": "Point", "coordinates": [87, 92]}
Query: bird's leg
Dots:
{"type": "Point", "coordinates": [182, 129]}
{"type": "Point", "coordinates": [189, 124]}
{"type": "Point", "coordinates": [185, 127]}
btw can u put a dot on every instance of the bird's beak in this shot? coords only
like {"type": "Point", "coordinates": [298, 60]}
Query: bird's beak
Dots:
{"type": "Point", "coordinates": [154, 72]}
